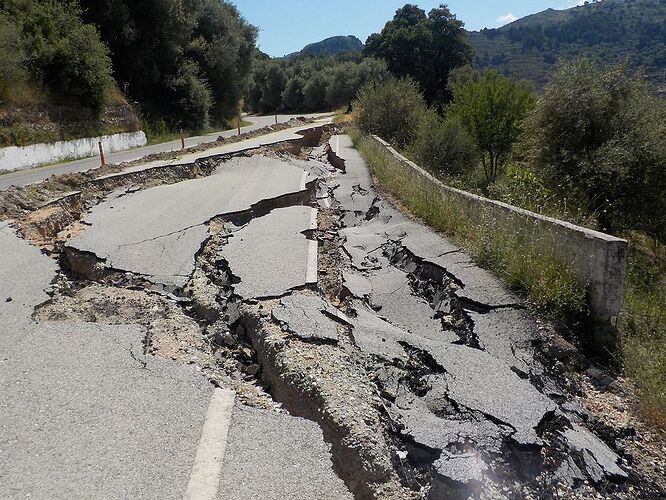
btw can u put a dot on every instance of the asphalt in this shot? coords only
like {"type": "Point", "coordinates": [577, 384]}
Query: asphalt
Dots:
{"type": "Point", "coordinates": [274, 456]}
{"type": "Point", "coordinates": [271, 255]}
{"type": "Point", "coordinates": [31, 176]}
{"type": "Point", "coordinates": [157, 232]}
{"type": "Point", "coordinates": [86, 413]}
{"type": "Point", "coordinates": [420, 301]}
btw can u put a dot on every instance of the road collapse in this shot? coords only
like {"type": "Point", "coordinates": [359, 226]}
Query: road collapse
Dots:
{"type": "Point", "coordinates": [281, 273]}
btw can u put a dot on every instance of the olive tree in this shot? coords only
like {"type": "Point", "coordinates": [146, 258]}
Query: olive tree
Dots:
{"type": "Point", "coordinates": [492, 109]}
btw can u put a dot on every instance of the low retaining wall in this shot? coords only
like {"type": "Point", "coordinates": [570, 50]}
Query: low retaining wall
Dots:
{"type": "Point", "coordinates": [17, 157]}
{"type": "Point", "coordinates": [598, 259]}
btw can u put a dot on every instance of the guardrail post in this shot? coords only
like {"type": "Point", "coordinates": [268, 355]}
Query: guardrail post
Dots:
{"type": "Point", "coordinates": [182, 139]}
{"type": "Point", "coordinates": [101, 153]}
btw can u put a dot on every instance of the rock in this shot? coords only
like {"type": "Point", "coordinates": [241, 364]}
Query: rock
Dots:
{"type": "Point", "coordinates": [562, 350]}
{"type": "Point", "coordinates": [253, 369]}
{"type": "Point", "coordinates": [599, 377]}
{"type": "Point", "coordinates": [8, 299]}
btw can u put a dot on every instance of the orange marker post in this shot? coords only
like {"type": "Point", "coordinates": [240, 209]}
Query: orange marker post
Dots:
{"type": "Point", "coordinates": [101, 153]}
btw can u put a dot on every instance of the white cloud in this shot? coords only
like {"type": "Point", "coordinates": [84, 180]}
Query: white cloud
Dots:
{"type": "Point", "coordinates": [506, 19]}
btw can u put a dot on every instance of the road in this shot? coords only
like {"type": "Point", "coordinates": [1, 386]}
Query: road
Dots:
{"type": "Point", "coordinates": [34, 175]}
{"type": "Point", "coordinates": [274, 329]}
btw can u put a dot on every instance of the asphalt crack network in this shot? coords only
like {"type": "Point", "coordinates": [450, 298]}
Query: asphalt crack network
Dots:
{"type": "Point", "coordinates": [411, 408]}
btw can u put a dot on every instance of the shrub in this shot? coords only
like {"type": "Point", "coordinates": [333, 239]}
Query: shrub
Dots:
{"type": "Point", "coordinates": [393, 110]}
{"type": "Point", "coordinates": [443, 146]}
{"type": "Point", "coordinates": [598, 132]}
{"type": "Point", "coordinates": [12, 57]}
{"type": "Point", "coordinates": [194, 98]}
{"type": "Point", "coordinates": [492, 109]}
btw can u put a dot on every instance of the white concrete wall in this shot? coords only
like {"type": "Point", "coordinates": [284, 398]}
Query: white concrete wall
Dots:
{"type": "Point", "coordinates": [17, 157]}
{"type": "Point", "coordinates": [598, 259]}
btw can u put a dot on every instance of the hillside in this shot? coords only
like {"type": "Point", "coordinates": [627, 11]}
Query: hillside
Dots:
{"type": "Point", "coordinates": [608, 30]}
{"type": "Point", "coordinates": [331, 46]}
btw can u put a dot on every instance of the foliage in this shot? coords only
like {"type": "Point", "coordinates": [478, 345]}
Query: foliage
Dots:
{"type": "Point", "coordinates": [611, 31]}
{"type": "Point", "coordinates": [12, 57]}
{"type": "Point", "coordinates": [62, 53]}
{"type": "Point", "coordinates": [599, 133]}
{"type": "Point", "coordinates": [492, 109]}
{"type": "Point", "coordinates": [424, 47]}
{"type": "Point", "coordinates": [177, 56]}
{"type": "Point", "coordinates": [443, 146]}
{"type": "Point", "coordinates": [309, 83]}
{"type": "Point", "coordinates": [393, 111]}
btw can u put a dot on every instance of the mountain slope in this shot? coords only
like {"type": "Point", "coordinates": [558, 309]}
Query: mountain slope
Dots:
{"type": "Point", "coordinates": [331, 46]}
{"type": "Point", "coordinates": [608, 30]}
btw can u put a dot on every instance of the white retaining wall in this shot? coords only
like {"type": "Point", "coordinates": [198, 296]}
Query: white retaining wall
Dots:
{"type": "Point", "coordinates": [17, 157]}
{"type": "Point", "coordinates": [598, 259]}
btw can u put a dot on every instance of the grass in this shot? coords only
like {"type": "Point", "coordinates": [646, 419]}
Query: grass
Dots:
{"type": "Point", "coordinates": [526, 264]}
{"type": "Point", "coordinates": [642, 327]}
{"type": "Point", "coordinates": [514, 254]}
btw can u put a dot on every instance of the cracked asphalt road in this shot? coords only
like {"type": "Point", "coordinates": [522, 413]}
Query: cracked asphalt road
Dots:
{"type": "Point", "coordinates": [419, 376]}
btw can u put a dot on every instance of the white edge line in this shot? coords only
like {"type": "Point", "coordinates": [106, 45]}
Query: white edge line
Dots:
{"type": "Point", "coordinates": [303, 179]}
{"type": "Point", "coordinates": [311, 273]}
{"type": "Point", "coordinates": [205, 474]}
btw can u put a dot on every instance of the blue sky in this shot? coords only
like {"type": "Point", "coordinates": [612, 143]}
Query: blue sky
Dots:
{"type": "Point", "coordinates": [288, 25]}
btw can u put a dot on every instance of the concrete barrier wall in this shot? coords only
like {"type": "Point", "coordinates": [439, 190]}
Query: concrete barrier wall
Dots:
{"type": "Point", "coordinates": [598, 259]}
{"type": "Point", "coordinates": [17, 157]}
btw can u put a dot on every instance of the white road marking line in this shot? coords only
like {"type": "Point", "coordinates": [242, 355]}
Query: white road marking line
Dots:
{"type": "Point", "coordinates": [205, 475]}
{"type": "Point", "coordinates": [311, 272]}
{"type": "Point", "coordinates": [303, 179]}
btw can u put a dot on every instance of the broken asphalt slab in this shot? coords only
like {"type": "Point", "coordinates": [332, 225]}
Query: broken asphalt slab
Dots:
{"type": "Point", "coordinates": [272, 255]}
{"type": "Point", "coordinates": [157, 232]}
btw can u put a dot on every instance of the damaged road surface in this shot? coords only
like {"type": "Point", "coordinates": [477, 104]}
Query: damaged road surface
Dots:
{"type": "Point", "coordinates": [274, 329]}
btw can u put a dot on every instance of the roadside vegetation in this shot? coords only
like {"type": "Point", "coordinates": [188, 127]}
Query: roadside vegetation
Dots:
{"type": "Point", "coordinates": [76, 68]}
{"type": "Point", "coordinates": [308, 83]}
{"type": "Point", "coordinates": [589, 150]}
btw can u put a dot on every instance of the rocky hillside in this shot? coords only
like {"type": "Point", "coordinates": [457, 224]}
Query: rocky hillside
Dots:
{"type": "Point", "coordinates": [607, 30]}
{"type": "Point", "coordinates": [331, 46]}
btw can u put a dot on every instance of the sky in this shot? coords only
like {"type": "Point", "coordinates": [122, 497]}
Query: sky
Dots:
{"type": "Point", "coordinates": [287, 26]}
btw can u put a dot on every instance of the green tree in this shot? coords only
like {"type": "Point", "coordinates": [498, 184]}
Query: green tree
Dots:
{"type": "Point", "coordinates": [314, 92]}
{"type": "Point", "coordinates": [425, 48]}
{"type": "Point", "coordinates": [599, 134]}
{"type": "Point", "coordinates": [158, 43]}
{"type": "Point", "coordinates": [63, 54]}
{"type": "Point", "coordinates": [12, 56]}
{"type": "Point", "coordinates": [392, 110]}
{"type": "Point", "coordinates": [292, 97]}
{"type": "Point", "coordinates": [492, 109]}
{"type": "Point", "coordinates": [443, 146]}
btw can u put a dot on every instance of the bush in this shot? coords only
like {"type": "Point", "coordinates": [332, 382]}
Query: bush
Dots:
{"type": "Point", "coordinates": [63, 54]}
{"type": "Point", "coordinates": [599, 133]}
{"type": "Point", "coordinates": [79, 65]}
{"type": "Point", "coordinates": [194, 98]}
{"type": "Point", "coordinates": [12, 57]}
{"type": "Point", "coordinates": [393, 111]}
{"type": "Point", "coordinates": [492, 109]}
{"type": "Point", "coordinates": [443, 146]}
